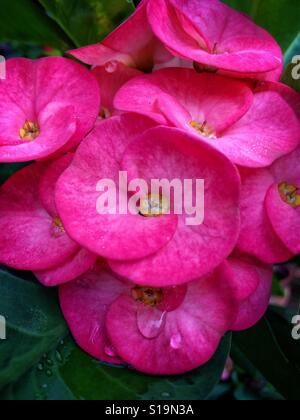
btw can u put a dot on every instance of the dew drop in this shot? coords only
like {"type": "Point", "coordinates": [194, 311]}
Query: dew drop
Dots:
{"type": "Point", "coordinates": [49, 362]}
{"type": "Point", "coordinates": [49, 373]}
{"type": "Point", "coordinates": [94, 333]}
{"type": "Point", "coordinates": [58, 357]}
{"type": "Point", "coordinates": [40, 367]}
{"type": "Point", "coordinates": [110, 351]}
{"type": "Point", "coordinates": [176, 341]}
{"type": "Point", "coordinates": [166, 395]}
{"type": "Point", "coordinates": [111, 66]}
{"type": "Point", "coordinates": [150, 321]}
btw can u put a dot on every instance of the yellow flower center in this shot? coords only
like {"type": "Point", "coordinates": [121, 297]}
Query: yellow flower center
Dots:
{"type": "Point", "coordinates": [30, 131]}
{"type": "Point", "coordinates": [203, 129]}
{"type": "Point", "coordinates": [147, 295]}
{"type": "Point", "coordinates": [57, 226]}
{"type": "Point", "coordinates": [105, 113]}
{"type": "Point", "coordinates": [289, 194]}
{"type": "Point", "coordinates": [154, 205]}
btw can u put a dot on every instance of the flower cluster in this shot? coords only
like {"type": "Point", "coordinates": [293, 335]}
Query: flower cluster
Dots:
{"type": "Point", "coordinates": [183, 90]}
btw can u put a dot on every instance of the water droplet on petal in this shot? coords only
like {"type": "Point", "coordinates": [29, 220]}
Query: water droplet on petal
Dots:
{"type": "Point", "coordinates": [150, 321]}
{"type": "Point", "coordinates": [110, 351]}
{"type": "Point", "coordinates": [111, 66]}
{"type": "Point", "coordinates": [176, 341]}
{"type": "Point", "coordinates": [94, 333]}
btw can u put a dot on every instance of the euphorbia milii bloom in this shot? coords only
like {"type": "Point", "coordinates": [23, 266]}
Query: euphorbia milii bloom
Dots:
{"type": "Point", "coordinates": [155, 330]}
{"type": "Point", "coordinates": [46, 106]}
{"type": "Point", "coordinates": [271, 210]}
{"type": "Point", "coordinates": [162, 250]}
{"type": "Point", "coordinates": [32, 236]}
{"type": "Point", "coordinates": [132, 43]}
{"type": "Point", "coordinates": [252, 128]}
{"type": "Point", "coordinates": [211, 33]}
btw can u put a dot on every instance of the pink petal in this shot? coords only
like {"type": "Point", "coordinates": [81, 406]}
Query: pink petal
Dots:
{"type": "Point", "coordinates": [288, 94]}
{"type": "Point", "coordinates": [257, 237]}
{"type": "Point", "coordinates": [268, 131]}
{"type": "Point", "coordinates": [132, 43]}
{"type": "Point", "coordinates": [57, 129]}
{"type": "Point", "coordinates": [254, 308]}
{"type": "Point", "coordinates": [29, 239]}
{"type": "Point", "coordinates": [16, 103]}
{"type": "Point", "coordinates": [48, 183]}
{"type": "Point", "coordinates": [284, 218]}
{"type": "Point", "coordinates": [74, 267]}
{"type": "Point", "coordinates": [52, 92]}
{"type": "Point", "coordinates": [68, 83]}
{"type": "Point", "coordinates": [115, 236]}
{"type": "Point", "coordinates": [84, 303]}
{"type": "Point", "coordinates": [194, 251]}
{"type": "Point", "coordinates": [218, 101]}
{"type": "Point", "coordinates": [245, 277]}
{"type": "Point", "coordinates": [110, 78]}
{"type": "Point", "coordinates": [194, 29]}
{"type": "Point", "coordinates": [188, 336]}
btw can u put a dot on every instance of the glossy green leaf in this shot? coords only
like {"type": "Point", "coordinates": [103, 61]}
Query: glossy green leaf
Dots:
{"type": "Point", "coordinates": [90, 380]}
{"type": "Point", "coordinates": [280, 17]}
{"type": "Point", "coordinates": [25, 20]}
{"type": "Point", "coordinates": [87, 21]}
{"type": "Point", "coordinates": [33, 322]}
{"type": "Point", "coordinates": [270, 348]}
{"type": "Point", "coordinates": [277, 289]}
{"type": "Point", "coordinates": [8, 169]}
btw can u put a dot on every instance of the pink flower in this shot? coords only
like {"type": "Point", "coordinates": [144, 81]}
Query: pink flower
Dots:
{"type": "Point", "coordinates": [32, 236]}
{"type": "Point", "coordinates": [46, 106]}
{"type": "Point", "coordinates": [252, 127]}
{"type": "Point", "coordinates": [132, 43]}
{"type": "Point", "coordinates": [158, 251]}
{"type": "Point", "coordinates": [168, 330]}
{"type": "Point", "coordinates": [213, 34]}
{"type": "Point", "coordinates": [156, 330]}
{"type": "Point", "coordinates": [271, 210]}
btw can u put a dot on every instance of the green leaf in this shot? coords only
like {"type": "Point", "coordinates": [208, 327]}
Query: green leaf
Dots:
{"type": "Point", "coordinates": [39, 360]}
{"type": "Point", "coordinates": [33, 322]}
{"type": "Point", "coordinates": [279, 17]}
{"type": "Point", "coordinates": [76, 376]}
{"type": "Point", "coordinates": [43, 380]}
{"type": "Point", "coordinates": [87, 21]}
{"type": "Point", "coordinates": [270, 348]}
{"type": "Point", "coordinates": [24, 20]}
{"type": "Point", "coordinates": [277, 289]}
{"type": "Point", "coordinates": [90, 380]}
{"type": "Point", "coordinates": [8, 169]}
{"type": "Point", "coordinates": [293, 50]}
